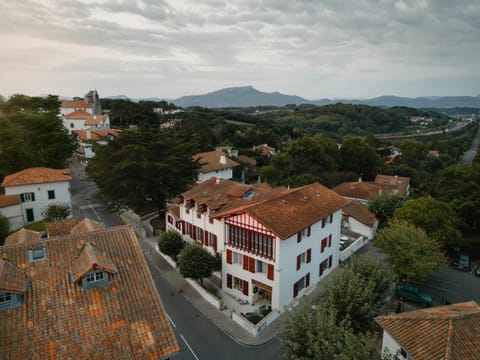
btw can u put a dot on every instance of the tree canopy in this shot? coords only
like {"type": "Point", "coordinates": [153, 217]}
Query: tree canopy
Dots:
{"type": "Point", "coordinates": [56, 212]}
{"type": "Point", "coordinates": [359, 157]}
{"type": "Point", "coordinates": [171, 243]}
{"type": "Point", "coordinates": [142, 169]}
{"type": "Point", "coordinates": [412, 254]}
{"type": "Point", "coordinates": [383, 206]}
{"type": "Point", "coordinates": [195, 262]}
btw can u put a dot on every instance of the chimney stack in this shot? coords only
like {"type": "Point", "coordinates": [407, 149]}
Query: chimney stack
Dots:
{"type": "Point", "coordinates": [223, 160]}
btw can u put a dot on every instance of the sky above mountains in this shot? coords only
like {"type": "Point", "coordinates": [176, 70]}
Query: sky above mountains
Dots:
{"type": "Point", "coordinates": [310, 48]}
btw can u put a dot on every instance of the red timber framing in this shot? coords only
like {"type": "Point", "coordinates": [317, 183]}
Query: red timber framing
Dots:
{"type": "Point", "coordinates": [244, 232]}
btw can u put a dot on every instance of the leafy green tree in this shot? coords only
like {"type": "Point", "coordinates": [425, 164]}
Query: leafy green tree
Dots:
{"type": "Point", "coordinates": [171, 243]}
{"type": "Point", "coordinates": [414, 153]}
{"type": "Point", "coordinates": [56, 212]}
{"type": "Point", "coordinates": [412, 254]}
{"type": "Point", "coordinates": [358, 292]}
{"type": "Point", "coordinates": [359, 157]}
{"type": "Point", "coordinates": [316, 333]}
{"type": "Point", "coordinates": [4, 228]}
{"type": "Point", "coordinates": [195, 262]}
{"type": "Point", "coordinates": [384, 205]}
{"type": "Point", "coordinates": [142, 169]}
{"type": "Point", "coordinates": [437, 218]}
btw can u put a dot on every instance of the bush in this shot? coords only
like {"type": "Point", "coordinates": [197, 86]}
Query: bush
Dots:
{"type": "Point", "coordinates": [56, 212]}
{"type": "Point", "coordinates": [4, 228]}
{"type": "Point", "coordinates": [171, 243]}
{"type": "Point", "coordinates": [196, 263]}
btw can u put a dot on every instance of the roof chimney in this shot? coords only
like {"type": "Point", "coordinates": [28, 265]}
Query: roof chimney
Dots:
{"type": "Point", "coordinates": [217, 180]}
{"type": "Point", "coordinates": [223, 160]}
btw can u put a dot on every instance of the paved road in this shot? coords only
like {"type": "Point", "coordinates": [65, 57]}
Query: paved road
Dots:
{"type": "Point", "coordinates": [197, 336]}
{"type": "Point", "coordinates": [470, 154]}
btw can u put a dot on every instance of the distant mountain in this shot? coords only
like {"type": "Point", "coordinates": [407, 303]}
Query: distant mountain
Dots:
{"type": "Point", "coordinates": [247, 96]}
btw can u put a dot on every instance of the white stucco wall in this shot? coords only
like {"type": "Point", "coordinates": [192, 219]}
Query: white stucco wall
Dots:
{"type": "Point", "coordinates": [223, 174]}
{"type": "Point", "coordinates": [14, 215]}
{"type": "Point", "coordinates": [390, 344]}
{"type": "Point", "coordinates": [78, 124]}
{"type": "Point", "coordinates": [62, 195]}
{"type": "Point", "coordinates": [362, 229]}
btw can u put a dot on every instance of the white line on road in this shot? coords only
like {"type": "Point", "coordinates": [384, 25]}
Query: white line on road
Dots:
{"type": "Point", "coordinates": [194, 355]}
{"type": "Point", "coordinates": [170, 319]}
{"type": "Point", "coordinates": [96, 214]}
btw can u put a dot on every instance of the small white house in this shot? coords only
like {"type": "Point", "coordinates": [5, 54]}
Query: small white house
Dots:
{"type": "Point", "coordinates": [214, 164]}
{"type": "Point", "coordinates": [10, 207]}
{"type": "Point", "coordinates": [38, 188]}
{"type": "Point", "coordinates": [359, 220]}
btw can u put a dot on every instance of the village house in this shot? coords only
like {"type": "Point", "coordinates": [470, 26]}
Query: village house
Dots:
{"type": "Point", "coordinates": [275, 243]}
{"type": "Point", "coordinates": [84, 295]}
{"type": "Point", "coordinates": [10, 207]}
{"type": "Point", "coordinates": [214, 164]}
{"type": "Point", "coordinates": [357, 219]}
{"type": "Point", "coordinates": [38, 188]}
{"type": "Point", "coordinates": [87, 140]}
{"type": "Point", "coordinates": [449, 332]}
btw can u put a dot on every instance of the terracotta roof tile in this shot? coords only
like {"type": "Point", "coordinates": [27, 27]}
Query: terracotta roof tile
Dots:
{"type": "Point", "coordinates": [293, 211]}
{"type": "Point", "coordinates": [23, 236]}
{"type": "Point", "coordinates": [124, 319]}
{"type": "Point", "coordinates": [9, 200]}
{"type": "Point", "coordinates": [91, 258]}
{"type": "Point", "coordinates": [61, 228]}
{"type": "Point", "coordinates": [78, 114]}
{"type": "Point", "coordinates": [360, 212]}
{"type": "Point", "coordinates": [87, 225]}
{"type": "Point", "coordinates": [37, 175]}
{"type": "Point", "coordinates": [12, 279]}
{"type": "Point", "coordinates": [210, 161]}
{"type": "Point", "coordinates": [363, 189]}
{"type": "Point", "coordinates": [95, 120]}
{"type": "Point", "coordinates": [401, 182]}
{"type": "Point", "coordinates": [96, 134]}
{"type": "Point", "coordinates": [75, 104]}
{"type": "Point", "coordinates": [450, 332]}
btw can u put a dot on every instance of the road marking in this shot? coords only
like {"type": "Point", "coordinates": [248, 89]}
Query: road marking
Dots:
{"type": "Point", "coordinates": [170, 319]}
{"type": "Point", "coordinates": [91, 206]}
{"type": "Point", "coordinates": [190, 348]}
{"type": "Point", "coordinates": [96, 214]}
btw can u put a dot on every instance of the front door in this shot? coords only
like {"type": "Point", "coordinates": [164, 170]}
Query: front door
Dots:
{"type": "Point", "coordinates": [30, 216]}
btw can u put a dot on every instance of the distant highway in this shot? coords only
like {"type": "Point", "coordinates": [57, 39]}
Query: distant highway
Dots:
{"type": "Point", "coordinates": [470, 154]}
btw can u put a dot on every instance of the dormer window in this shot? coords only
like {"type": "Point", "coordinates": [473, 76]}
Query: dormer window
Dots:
{"type": "Point", "coordinates": [95, 276]}
{"type": "Point", "coordinates": [5, 297]}
{"type": "Point", "coordinates": [37, 254]}
{"type": "Point", "coordinates": [12, 285]}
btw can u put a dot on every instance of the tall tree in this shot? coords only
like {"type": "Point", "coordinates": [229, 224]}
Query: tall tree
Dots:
{"type": "Point", "coordinates": [171, 243]}
{"type": "Point", "coordinates": [359, 157]}
{"type": "Point", "coordinates": [4, 228]}
{"type": "Point", "coordinates": [437, 218]}
{"type": "Point", "coordinates": [196, 263]}
{"type": "Point", "coordinates": [142, 169]}
{"type": "Point", "coordinates": [383, 206]}
{"type": "Point", "coordinates": [412, 254]}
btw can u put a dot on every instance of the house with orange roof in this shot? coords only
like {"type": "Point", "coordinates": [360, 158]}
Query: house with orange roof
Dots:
{"type": "Point", "coordinates": [90, 104]}
{"type": "Point", "coordinates": [276, 244]}
{"type": "Point", "coordinates": [450, 332]}
{"type": "Point", "coordinates": [214, 164]}
{"type": "Point", "coordinates": [84, 295]}
{"type": "Point", "coordinates": [38, 188]}
{"type": "Point", "coordinates": [87, 140]}
{"type": "Point", "coordinates": [11, 209]}
{"type": "Point", "coordinates": [357, 219]}
{"type": "Point", "coordinates": [83, 114]}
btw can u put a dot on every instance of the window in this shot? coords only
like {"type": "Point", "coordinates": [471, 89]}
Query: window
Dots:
{"type": "Point", "coordinates": [5, 297]}
{"type": "Point", "coordinates": [238, 284]}
{"type": "Point", "coordinates": [30, 216]}
{"type": "Point", "coordinates": [261, 267]}
{"type": "Point", "coordinates": [72, 125]}
{"type": "Point", "coordinates": [27, 197]}
{"type": "Point", "coordinates": [93, 276]}
{"type": "Point", "coordinates": [51, 194]}
{"type": "Point", "coordinates": [237, 258]}
{"type": "Point", "coordinates": [37, 254]}
{"type": "Point", "coordinates": [324, 245]}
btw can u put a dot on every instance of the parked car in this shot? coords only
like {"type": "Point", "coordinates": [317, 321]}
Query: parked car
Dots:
{"type": "Point", "coordinates": [462, 262]}
{"type": "Point", "coordinates": [477, 270]}
{"type": "Point", "coordinates": [411, 293]}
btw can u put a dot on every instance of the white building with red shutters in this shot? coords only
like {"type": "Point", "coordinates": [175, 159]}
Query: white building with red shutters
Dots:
{"type": "Point", "coordinates": [275, 243]}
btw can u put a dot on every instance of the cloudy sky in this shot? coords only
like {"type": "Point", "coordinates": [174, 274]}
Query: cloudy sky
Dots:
{"type": "Point", "coordinates": [311, 48]}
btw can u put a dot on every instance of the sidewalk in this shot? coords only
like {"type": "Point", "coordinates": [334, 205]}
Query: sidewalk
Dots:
{"type": "Point", "coordinates": [220, 318]}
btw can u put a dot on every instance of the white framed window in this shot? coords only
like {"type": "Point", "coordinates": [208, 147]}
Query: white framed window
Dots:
{"type": "Point", "coordinates": [261, 267]}
{"type": "Point", "coordinates": [94, 276]}
{"type": "Point", "coordinates": [303, 257]}
{"type": "Point", "coordinates": [238, 284]}
{"type": "Point", "coordinates": [5, 297]}
{"type": "Point", "coordinates": [27, 197]}
{"type": "Point", "coordinates": [237, 258]}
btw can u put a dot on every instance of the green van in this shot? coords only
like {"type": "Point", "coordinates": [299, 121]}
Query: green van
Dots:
{"type": "Point", "coordinates": [411, 293]}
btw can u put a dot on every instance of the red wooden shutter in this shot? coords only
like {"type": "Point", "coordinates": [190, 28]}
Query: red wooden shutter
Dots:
{"type": "Point", "coordinates": [229, 256]}
{"type": "Point", "coordinates": [295, 290]}
{"type": "Point", "coordinates": [214, 241]}
{"type": "Point", "coordinates": [330, 261]}
{"type": "Point", "coordinates": [309, 231]}
{"type": "Point", "coordinates": [309, 255]}
{"type": "Point", "coordinates": [330, 240]}
{"type": "Point", "coordinates": [251, 265]}
{"type": "Point", "coordinates": [183, 228]}
{"type": "Point", "coordinates": [299, 236]}
{"type": "Point", "coordinates": [298, 262]}
{"type": "Point", "coordinates": [205, 238]}
{"type": "Point", "coordinates": [307, 280]}
{"type": "Point", "coordinates": [245, 287]}
{"type": "Point", "coordinates": [245, 262]}
{"type": "Point", "coordinates": [229, 281]}
{"type": "Point", "coordinates": [270, 272]}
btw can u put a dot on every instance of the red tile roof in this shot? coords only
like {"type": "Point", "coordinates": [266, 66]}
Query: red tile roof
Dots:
{"type": "Point", "coordinates": [87, 225]}
{"type": "Point", "coordinates": [59, 319]}
{"type": "Point", "coordinates": [295, 210]}
{"type": "Point", "coordinates": [37, 175]}
{"type": "Point", "coordinates": [91, 258]}
{"type": "Point", "coordinates": [22, 236]}
{"type": "Point", "coordinates": [12, 279]}
{"type": "Point", "coordinates": [75, 104]}
{"type": "Point", "coordinates": [95, 135]}
{"type": "Point", "coordinates": [210, 161]}
{"type": "Point", "coordinates": [60, 228]}
{"type": "Point", "coordinates": [450, 332]}
{"type": "Point", "coordinates": [96, 120]}
{"type": "Point", "coordinates": [401, 182]}
{"type": "Point", "coordinates": [360, 212]}
{"type": "Point", "coordinates": [78, 114]}
{"type": "Point", "coordinates": [363, 189]}
{"type": "Point", "coordinates": [9, 200]}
